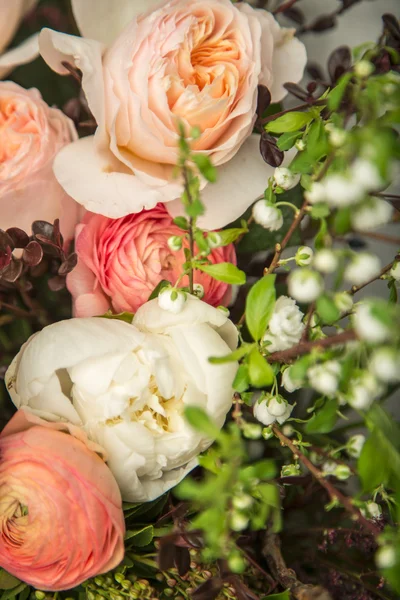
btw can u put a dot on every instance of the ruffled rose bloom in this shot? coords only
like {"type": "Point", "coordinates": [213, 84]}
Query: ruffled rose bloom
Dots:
{"type": "Point", "coordinates": [31, 134]}
{"type": "Point", "coordinates": [11, 14]}
{"type": "Point", "coordinates": [121, 261]}
{"type": "Point", "coordinates": [198, 62]}
{"type": "Point", "coordinates": [61, 519]}
{"type": "Point", "coordinates": [127, 385]}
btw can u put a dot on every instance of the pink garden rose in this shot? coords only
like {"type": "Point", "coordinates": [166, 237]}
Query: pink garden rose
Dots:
{"type": "Point", "coordinates": [61, 519]}
{"type": "Point", "coordinates": [121, 261]}
{"type": "Point", "coordinates": [198, 62]}
{"type": "Point", "coordinates": [31, 134]}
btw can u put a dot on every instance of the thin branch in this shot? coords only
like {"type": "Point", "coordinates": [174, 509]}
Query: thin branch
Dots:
{"type": "Point", "coordinates": [18, 312]}
{"type": "Point", "coordinates": [285, 6]}
{"type": "Point", "coordinates": [284, 356]}
{"type": "Point", "coordinates": [309, 317]}
{"type": "Point", "coordinates": [357, 288]}
{"type": "Point", "coordinates": [333, 492]}
{"type": "Point", "coordinates": [389, 239]}
{"type": "Point", "coordinates": [287, 577]}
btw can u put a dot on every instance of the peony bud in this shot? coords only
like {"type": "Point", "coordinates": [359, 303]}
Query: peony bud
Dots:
{"type": "Point", "coordinates": [395, 271]}
{"type": "Point", "coordinates": [355, 445]}
{"type": "Point", "coordinates": [284, 178]}
{"type": "Point", "coordinates": [385, 364]}
{"type": "Point", "coordinates": [305, 285]}
{"type": "Point", "coordinates": [175, 243]}
{"type": "Point", "coordinates": [362, 268]}
{"type": "Point", "coordinates": [267, 215]}
{"type": "Point", "coordinates": [324, 378]}
{"type": "Point", "coordinates": [325, 261]}
{"type": "Point", "coordinates": [304, 256]}
{"type": "Point", "coordinates": [172, 300]}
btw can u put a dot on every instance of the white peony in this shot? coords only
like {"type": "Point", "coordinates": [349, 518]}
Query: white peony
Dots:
{"type": "Point", "coordinates": [285, 327]}
{"type": "Point", "coordinates": [126, 386]}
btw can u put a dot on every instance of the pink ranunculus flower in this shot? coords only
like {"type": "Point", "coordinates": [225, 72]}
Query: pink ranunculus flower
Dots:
{"type": "Point", "coordinates": [11, 14]}
{"type": "Point", "coordinates": [150, 65]}
{"type": "Point", "coordinates": [121, 261]}
{"type": "Point", "coordinates": [61, 519]}
{"type": "Point", "coordinates": [31, 134]}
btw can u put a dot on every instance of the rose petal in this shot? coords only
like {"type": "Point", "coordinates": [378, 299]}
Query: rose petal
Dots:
{"type": "Point", "coordinates": [21, 55]}
{"type": "Point", "coordinates": [101, 21]}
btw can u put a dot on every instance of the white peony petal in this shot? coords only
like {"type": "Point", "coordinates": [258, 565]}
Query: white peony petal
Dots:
{"type": "Point", "coordinates": [21, 55]}
{"type": "Point", "coordinates": [88, 176]}
{"type": "Point", "coordinates": [103, 21]}
{"type": "Point", "coordinates": [289, 60]}
{"type": "Point", "coordinates": [94, 375]}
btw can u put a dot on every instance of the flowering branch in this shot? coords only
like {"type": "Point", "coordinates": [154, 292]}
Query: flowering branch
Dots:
{"type": "Point", "coordinates": [284, 356]}
{"type": "Point", "coordinates": [333, 492]}
{"type": "Point", "coordinates": [357, 288]}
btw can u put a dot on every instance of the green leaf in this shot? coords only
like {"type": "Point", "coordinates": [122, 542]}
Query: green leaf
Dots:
{"type": "Point", "coordinates": [324, 420]}
{"type": "Point", "coordinates": [320, 211]}
{"type": "Point", "coordinates": [373, 465]}
{"type": "Point", "coordinates": [260, 305]}
{"type": "Point", "coordinates": [327, 309]}
{"type": "Point", "coordinates": [317, 141]}
{"type": "Point", "coordinates": [7, 594]}
{"type": "Point", "coordinates": [155, 293]}
{"type": "Point", "coordinates": [288, 140]}
{"type": "Point", "coordinates": [335, 96]}
{"type": "Point", "coordinates": [205, 167]}
{"type": "Point", "coordinates": [225, 272]}
{"type": "Point", "coordinates": [261, 373]}
{"type": "Point", "coordinates": [342, 221]}
{"type": "Point", "coordinates": [127, 317]}
{"type": "Point", "coordinates": [232, 357]}
{"type": "Point", "coordinates": [7, 581]}
{"type": "Point", "coordinates": [282, 596]}
{"type": "Point", "coordinates": [319, 241]}
{"type": "Point", "coordinates": [195, 209]}
{"type": "Point", "coordinates": [182, 223]}
{"type": "Point", "coordinates": [199, 420]}
{"type": "Point", "coordinates": [266, 469]}
{"type": "Point", "coordinates": [228, 236]}
{"type": "Point", "coordinates": [241, 382]}
{"type": "Point", "coordinates": [290, 122]}
{"type": "Point", "coordinates": [140, 537]}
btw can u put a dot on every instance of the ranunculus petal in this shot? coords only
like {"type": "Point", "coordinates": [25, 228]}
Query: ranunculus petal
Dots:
{"type": "Point", "coordinates": [87, 175]}
{"type": "Point", "coordinates": [21, 55]}
{"type": "Point", "coordinates": [101, 20]}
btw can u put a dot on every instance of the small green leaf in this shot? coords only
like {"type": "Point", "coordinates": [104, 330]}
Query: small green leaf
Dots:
{"type": "Point", "coordinates": [342, 221]}
{"type": "Point", "coordinates": [282, 596]}
{"type": "Point", "coordinates": [205, 167]}
{"type": "Point", "coordinates": [195, 209]}
{"type": "Point", "coordinates": [241, 382]}
{"type": "Point", "coordinates": [228, 236]}
{"type": "Point", "coordinates": [260, 305]}
{"type": "Point", "coordinates": [127, 317]}
{"type": "Point", "coordinates": [7, 581]}
{"type": "Point", "coordinates": [261, 373]}
{"type": "Point", "coordinates": [199, 420]}
{"type": "Point", "coordinates": [335, 96]}
{"type": "Point", "coordinates": [320, 211]}
{"type": "Point", "coordinates": [324, 420]}
{"type": "Point", "coordinates": [290, 122]}
{"type": "Point", "coordinates": [327, 309]}
{"type": "Point", "coordinates": [7, 594]}
{"type": "Point", "coordinates": [140, 537]}
{"type": "Point", "coordinates": [232, 357]}
{"type": "Point", "coordinates": [319, 241]}
{"type": "Point", "coordinates": [155, 293]}
{"type": "Point", "coordinates": [288, 140]}
{"type": "Point", "coordinates": [182, 223]}
{"type": "Point", "coordinates": [374, 463]}
{"type": "Point", "coordinates": [225, 272]}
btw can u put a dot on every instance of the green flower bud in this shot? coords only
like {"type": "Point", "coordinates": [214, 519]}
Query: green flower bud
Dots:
{"type": "Point", "coordinates": [342, 472]}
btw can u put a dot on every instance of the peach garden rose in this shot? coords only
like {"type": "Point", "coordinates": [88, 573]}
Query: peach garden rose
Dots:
{"type": "Point", "coordinates": [31, 134]}
{"type": "Point", "coordinates": [121, 261]}
{"type": "Point", "coordinates": [147, 66]}
{"type": "Point", "coordinates": [61, 519]}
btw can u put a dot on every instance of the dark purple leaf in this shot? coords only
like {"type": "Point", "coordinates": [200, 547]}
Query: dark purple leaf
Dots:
{"type": "Point", "coordinates": [263, 100]}
{"type": "Point", "coordinates": [323, 23]}
{"type": "Point", "coordinates": [348, 3]}
{"type": "Point", "coordinates": [339, 62]}
{"type": "Point", "coordinates": [311, 87]}
{"type": "Point", "coordinates": [13, 271]}
{"type": "Point", "coordinates": [209, 590]}
{"type": "Point", "coordinates": [19, 237]}
{"type": "Point", "coordinates": [32, 254]}
{"type": "Point", "coordinates": [5, 257]}
{"type": "Point", "coordinates": [49, 246]}
{"type": "Point", "coordinates": [57, 237]}
{"type": "Point", "coordinates": [57, 283]}
{"type": "Point", "coordinates": [315, 71]}
{"type": "Point", "coordinates": [68, 265]}
{"type": "Point", "coordinates": [295, 15]}
{"type": "Point", "coordinates": [73, 109]}
{"type": "Point", "coordinates": [43, 228]}
{"type": "Point", "coordinates": [269, 151]}
{"type": "Point", "coordinates": [166, 555]}
{"type": "Point", "coordinates": [182, 560]}
{"type": "Point", "coordinates": [6, 240]}
{"type": "Point", "coordinates": [392, 25]}
{"type": "Point", "coordinates": [296, 90]}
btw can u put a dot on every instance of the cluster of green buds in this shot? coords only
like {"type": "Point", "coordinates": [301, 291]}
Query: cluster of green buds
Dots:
{"type": "Point", "coordinates": [119, 586]}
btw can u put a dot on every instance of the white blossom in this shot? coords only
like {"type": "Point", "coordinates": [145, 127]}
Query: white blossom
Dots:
{"type": "Point", "coordinates": [342, 191]}
{"type": "Point", "coordinates": [271, 409]}
{"type": "Point", "coordinates": [329, 467]}
{"type": "Point", "coordinates": [325, 261]}
{"type": "Point", "coordinates": [385, 364]}
{"type": "Point", "coordinates": [284, 178]}
{"type": "Point", "coordinates": [363, 267]}
{"type": "Point", "coordinates": [368, 326]}
{"type": "Point", "coordinates": [325, 377]}
{"type": "Point", "coordinates": [285, 327]}
{"type": "Point", "coordinates": [363, 390]}
{"type": "Point", "coordinates": [267, 215]}
{"type": "Point", "coordinates": [372, 213]}
{"type": "Point", "coordinates": [365, 174]}
{"type": "Point", "coordinates": [316, 193]}
{"type": "Point", "coordinates": [355, 444]}
{"type": "Point", "coordinates": [305, 285]}
{"type": "Point", "coordinates": [288, 383]}
{"type": "Point", "coordinates": [337, 137]}
{"type": "Point", "coordinates": [363, 68]}
{"type": "Point", "coordinates": [344, 302]}
{"type": "Point", "coordinates": [395, 271]}
{"type": "Point", "coordinates": [198, 290]}
{"type": "Point", "coordinates": [372, 510]}
{"type": "Point", "coordinates": [172, 300]}
{"type": "Point", "coordinates": [304, 256]}
{"type": "Point", "coordinates": [126, 385]}
{"type": "Point", "coordinates": [386, 557]}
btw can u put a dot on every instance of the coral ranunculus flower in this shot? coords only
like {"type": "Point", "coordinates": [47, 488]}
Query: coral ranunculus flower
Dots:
{"type": "Point", "coordinates": [121, 261]}
{"type": "Point", "coordinates": [61, 519]}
